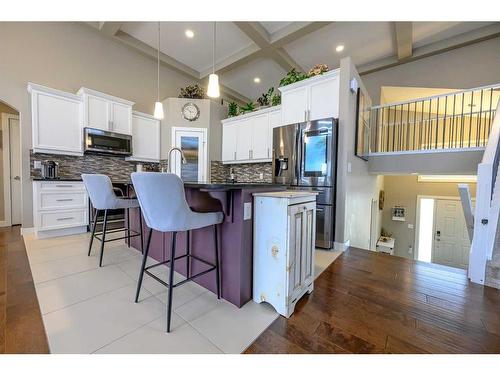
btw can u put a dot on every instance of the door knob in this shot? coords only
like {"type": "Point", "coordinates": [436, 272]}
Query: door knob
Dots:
{"type": "Point", "coordinates": [17, 178]}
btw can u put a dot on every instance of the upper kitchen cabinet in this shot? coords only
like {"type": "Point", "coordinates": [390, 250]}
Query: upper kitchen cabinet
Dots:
{"type": "Point", "coordinates": [106, 112]}
{"type": "Point", "coordinates": [145, 138]}
{"type": "Point", "coordinates": [248, 138]}
{"type": "Point", "coordinates": [311, 99]}
{"type": "Point", "coordinates": [55, 121]}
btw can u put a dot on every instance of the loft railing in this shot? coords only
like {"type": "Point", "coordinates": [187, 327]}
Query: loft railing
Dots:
{"type": "Point", "coordinates": [461, 119]}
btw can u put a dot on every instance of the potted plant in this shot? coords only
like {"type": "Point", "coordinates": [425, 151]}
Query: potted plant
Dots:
{"type": "Point", "coordinates": [249, 107]}
{"type": "Point", "coordinates": [317, 70]}
{"type": "Point", "coordinates": [192, 92]}
{"type": "Point", "coordinates": [291, 77]}
{"type": "Point", "coordinates": [232, 109]}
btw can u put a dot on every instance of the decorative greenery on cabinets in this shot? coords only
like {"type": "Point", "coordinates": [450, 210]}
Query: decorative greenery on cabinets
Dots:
{"type": "Point", "coordinates": [294, 76]}
{"type": "Point", "coordinates": [249, 107]}
{"type": "Point", "coordinates": [192, 92]}
{"type": "Point", "coordinates": [232, 109]}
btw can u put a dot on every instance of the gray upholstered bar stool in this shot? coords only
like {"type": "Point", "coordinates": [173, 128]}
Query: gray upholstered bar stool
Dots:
{"type": "Point", "coordinates": [103, 198]}
{"type": "Point", "coordinates": [163, 203]}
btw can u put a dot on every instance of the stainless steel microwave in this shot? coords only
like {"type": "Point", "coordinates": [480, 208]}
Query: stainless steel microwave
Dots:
{"type": "Point", "coordinates": [104, 142]}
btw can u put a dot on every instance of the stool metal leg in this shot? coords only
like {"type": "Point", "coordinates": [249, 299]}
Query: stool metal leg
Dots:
{"type": "Point", "coordinates": [144, 259]}
{"type": "Point", "coordinates": [94, 224]}
{"type": "Point", "coordinates": [128, 227]}
{"type": "Point", "coordinates": [217, 264]}
{"type": "Point", "coordinates": [103, 236]}
{"type": "Point", "coordinates": [171, 281]}
{"type": "Point", "coordinates": [141, 231]}
{"type": "Point", "coordinates": [188, 253]}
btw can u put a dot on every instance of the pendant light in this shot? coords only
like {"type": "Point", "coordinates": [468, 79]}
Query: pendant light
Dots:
{"type": "Point", "coordinates": [158, 113]}
{"type": "Point", "coordinates": [213, 79]}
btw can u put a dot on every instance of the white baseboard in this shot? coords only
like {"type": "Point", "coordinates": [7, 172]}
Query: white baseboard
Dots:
{"type": "Point", "coordinates": [341, 246]}
{"type": "Point", "coordinates": [27, 231]}
{"type": "Point", "coordinates": [4, 223]}
{"type": "Point", "coordinates": [60, 232]}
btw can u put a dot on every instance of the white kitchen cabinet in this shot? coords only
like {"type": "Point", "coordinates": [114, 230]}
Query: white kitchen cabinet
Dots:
{"type": "Point", "coordinates": [248, 138]}
{"type": "Point", "coordinates": [145, 138]}
{"type": "Point", "coordinates": [60, 208]}
{"type": "Point", "coordinates": [311, 99]}
{"type": "Point", "coordinates": [106, 112]}
{"type": "Point", "coordinates": [55, 121]}
{"type": "Point", "coordinates": [283, 253]}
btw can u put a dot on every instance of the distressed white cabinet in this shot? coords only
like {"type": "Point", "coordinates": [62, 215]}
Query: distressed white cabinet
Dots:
{"type": "Point", "coordinates": [145, 138]}
{"type": "Point", "coordinates": [248, 138]}
{"type": "Point", "coordinates": [60, 208]}
{"type": "Point", "coordinates": [56, 121]}
{"type": "Point", "coordinates": [106, 112]}
{"type": "Point", "coordinates": [311, 99]}
{"type": "Point", "coordinates": [283, 253]}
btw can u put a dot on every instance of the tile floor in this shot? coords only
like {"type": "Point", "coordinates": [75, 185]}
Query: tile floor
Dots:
{"type": "Point", "coordinates": [87, 309]}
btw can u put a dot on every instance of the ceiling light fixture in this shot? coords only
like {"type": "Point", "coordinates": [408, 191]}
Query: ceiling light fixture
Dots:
{"type": "Point", "coordinates": [213, 79]}
{"type": "Point", "coordinates": [256, 80]}
{"type": "Point", "coordinates": [339, 48]}
{"type": "Point", "coordinates": [158, 113]}
{"type": "Point", "coordinates": [189, 33]}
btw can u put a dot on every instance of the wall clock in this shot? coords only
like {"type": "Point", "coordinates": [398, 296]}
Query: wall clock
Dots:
{"type": "Point", "coordinates": [190, 111]}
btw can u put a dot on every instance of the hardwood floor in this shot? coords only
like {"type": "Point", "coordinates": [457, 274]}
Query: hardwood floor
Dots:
{"type": "Point", "coordinates": [367, 302]}
{"type": "Point", "coordinates": [21, 326]}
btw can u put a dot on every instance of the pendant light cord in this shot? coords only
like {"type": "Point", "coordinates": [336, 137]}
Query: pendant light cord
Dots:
{"type": "Point", "coordinates": [158, 78]}
{"type": "Point", "coordinates": [213, 54]}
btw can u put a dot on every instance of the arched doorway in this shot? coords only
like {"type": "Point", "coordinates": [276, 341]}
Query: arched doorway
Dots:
{"type": "Point", "coordinates": [10, 166]}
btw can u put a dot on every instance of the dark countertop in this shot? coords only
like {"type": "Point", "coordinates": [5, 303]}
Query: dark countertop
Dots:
{"type": "Point", "coordinates": [202, 185]}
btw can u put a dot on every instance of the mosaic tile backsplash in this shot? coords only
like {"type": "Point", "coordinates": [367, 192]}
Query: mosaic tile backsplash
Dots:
{"type": "Point", "coordinates": [117, 168]}
{"type": "Point", "coordinates": [248, 172]}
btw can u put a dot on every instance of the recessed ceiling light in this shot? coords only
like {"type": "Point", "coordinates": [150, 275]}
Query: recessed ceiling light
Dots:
{"type": "Point", "coordinates": [189, 33]}
{"type": "Point", "coordinates": [256, 80]}
{"type": "Point", "coordinates": [339, 48]}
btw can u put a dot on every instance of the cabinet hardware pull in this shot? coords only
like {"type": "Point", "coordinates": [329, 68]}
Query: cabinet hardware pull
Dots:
{"type": "Point", "coordinates": [268, 152]}
{"type": "Point", "coordinates": [64, 218]}
{"type": "Point", "coordinates": [235, 155]}
{"type": "Point", "coordinates": [64, 185]}
{"type": "Point", "coordinates": [65, 200]}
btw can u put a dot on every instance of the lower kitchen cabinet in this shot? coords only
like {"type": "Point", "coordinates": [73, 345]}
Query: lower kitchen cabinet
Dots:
{"type": "Point", "coordinates": [60, 208]}
{"type": "Point", "coordinates": [283, 254]}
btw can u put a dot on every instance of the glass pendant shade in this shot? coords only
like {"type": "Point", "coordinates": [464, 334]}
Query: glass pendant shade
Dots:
{"type": "Point", "coordinates": [158, 114]}
{"type": "Point", "coordinates": [213, 86]}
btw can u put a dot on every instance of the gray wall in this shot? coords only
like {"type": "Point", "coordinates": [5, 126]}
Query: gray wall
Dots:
{"type": "Point", "coordinates": [357, 188]}
{"type": "Point", "coordinates": [67, 56]}
{"type": "Point", "coordinates": [403, 191]}
{"type": "Point", "coordinates": [466, 67]}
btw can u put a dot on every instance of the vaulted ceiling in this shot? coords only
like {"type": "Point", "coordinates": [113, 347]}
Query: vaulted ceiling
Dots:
{"type": "Point", "coordinates": [267, 50]}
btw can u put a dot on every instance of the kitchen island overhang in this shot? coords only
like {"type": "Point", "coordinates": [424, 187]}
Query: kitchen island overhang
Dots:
{"type": "Point", "coordinates": [235, 237]}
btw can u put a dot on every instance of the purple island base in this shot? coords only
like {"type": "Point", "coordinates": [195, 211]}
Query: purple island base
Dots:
{"type": "Point", "coordinates": [235, 238]}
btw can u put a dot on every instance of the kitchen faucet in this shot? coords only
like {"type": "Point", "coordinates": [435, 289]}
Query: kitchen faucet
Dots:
{"type": "Point", "coordinates": [169, 157]}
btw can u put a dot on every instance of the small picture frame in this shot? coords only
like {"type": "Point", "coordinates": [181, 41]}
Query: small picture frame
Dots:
{"type": "Point", "coordinates": [398, 213]}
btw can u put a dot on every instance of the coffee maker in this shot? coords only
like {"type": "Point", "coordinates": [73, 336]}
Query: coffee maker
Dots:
{"type": "Point", "coordinates": [50, 169]}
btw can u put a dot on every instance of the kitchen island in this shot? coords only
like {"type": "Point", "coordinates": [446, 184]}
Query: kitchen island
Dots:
{"type": "Point", "coordinates": [235, 200]}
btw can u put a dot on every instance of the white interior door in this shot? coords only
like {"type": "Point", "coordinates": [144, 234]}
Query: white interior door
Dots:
{"type": "Point", "coordinates": [451, 241]}
{"type": "Point", "coordinates": [193, 142]}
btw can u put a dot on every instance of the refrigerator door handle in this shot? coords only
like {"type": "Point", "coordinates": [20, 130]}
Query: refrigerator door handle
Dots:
{"type": "Point", "coordinates": [298, 157]}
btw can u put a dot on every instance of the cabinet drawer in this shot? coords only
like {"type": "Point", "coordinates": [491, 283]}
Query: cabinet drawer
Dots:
{"type": "Point", "coordinates": [61, 185]}
{"type": "Point", "coordinates": [62, 219]}
{"type": "Point", "coordinates": [49, 200]}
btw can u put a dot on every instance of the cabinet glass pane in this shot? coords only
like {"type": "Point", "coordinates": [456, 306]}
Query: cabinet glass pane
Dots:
{"type": "Point", "coordinates": [190, 147]}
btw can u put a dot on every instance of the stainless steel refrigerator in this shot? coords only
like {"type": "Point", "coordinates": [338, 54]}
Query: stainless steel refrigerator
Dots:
{"type": "Point", "coordinates": [305, 158]}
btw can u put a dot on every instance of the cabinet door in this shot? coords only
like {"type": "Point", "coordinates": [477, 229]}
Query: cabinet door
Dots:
{"type": "Point", "coordinates": [145, 138]}
{"type": "Point", "coordinates": [324, 99]}
{"type": "Point", "coordinates": [274, 120]}
{"type": "Point", "coordinates": [244, 134]}
{"type": "Point", "coordinates": [121, 117]}
{"type": "Point", "coordinates": [229, 139]}
{"type": "Point", "coordinates": [56, 124]}
{"type": "Point", "coordinates": [294, 104]}
{"type": "Point", "coordinates": [97, 113]}
{"type": "Point", "coordinates": [295, 243]}
{"type": "Point", "coordinates": [308, 242]}
{"type": "Point", "coordinates": [261, 142]}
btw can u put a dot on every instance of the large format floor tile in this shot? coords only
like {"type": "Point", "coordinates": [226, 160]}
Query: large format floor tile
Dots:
{"type": "Point", "coordinates": [87, 326]}
{"type": "Point", "coordinates": [152, 339]}
{"type": "Point", "coordinates": [59, 293]}
{"type": "Point", "coordinates": [231, 329]}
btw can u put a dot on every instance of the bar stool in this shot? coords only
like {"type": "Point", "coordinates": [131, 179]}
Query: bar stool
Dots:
{"type": "Point", "coordinates": [103, 197]}
{"type": "Point", "coordinates": [163, 203]}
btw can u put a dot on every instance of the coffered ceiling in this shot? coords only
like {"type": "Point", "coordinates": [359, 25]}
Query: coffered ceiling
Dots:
{"type": "Point", "coordinates": [267, 50]}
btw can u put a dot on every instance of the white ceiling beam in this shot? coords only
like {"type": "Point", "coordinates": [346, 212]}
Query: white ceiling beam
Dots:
{"type": "Point", "coordinates": [239, 58]}
{"type": "Point", "coordinates": [294, 31]}
{"type": "Point", "coordinates": [110, 28]}
{"type": "Point", "coordinates": [404, 39]}
{"type": "Point", "coordinates": [445, 45]}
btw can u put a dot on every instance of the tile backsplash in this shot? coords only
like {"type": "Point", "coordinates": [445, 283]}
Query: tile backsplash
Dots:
{"type": "Point", "coordinates": [117, 168]}
{"type": "Point", "coordinates": [247, 172]}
